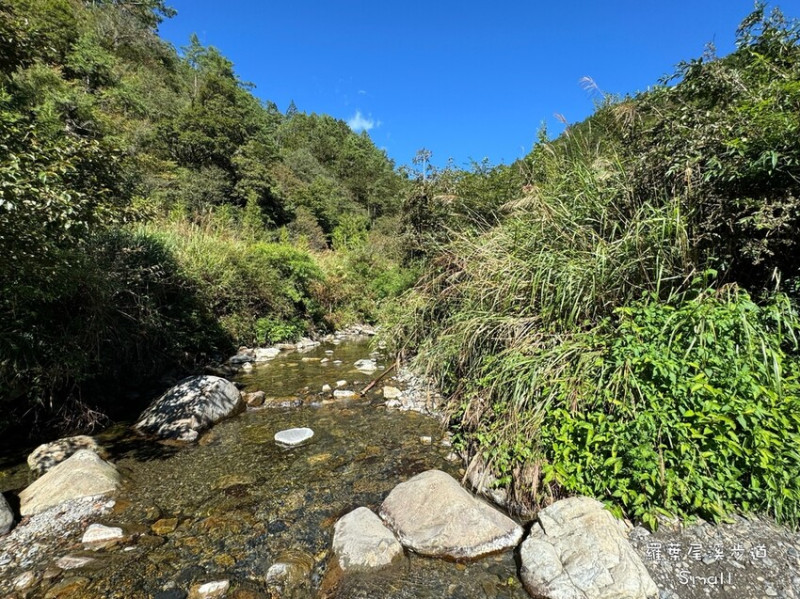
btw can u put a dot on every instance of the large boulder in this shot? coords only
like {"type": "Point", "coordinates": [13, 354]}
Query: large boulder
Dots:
{"type": "Point", "coordinates": [433, 515]}
{"type": "Point", "coordinates": [362, 542]}
{"type": "Point", "coordinates": [578, 550]}
{"type": "Point", "coordinates": [6, 515]}
{"type": "Point", "coordinates": [83, 474]}
{"type": "Point", "coordinates": [48, 455]}
{"type": "Point", "coordinates": [190, 407]}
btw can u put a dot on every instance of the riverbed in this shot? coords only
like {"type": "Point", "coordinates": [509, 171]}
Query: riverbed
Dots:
{"type": "Point", "coordinates": [235, 503]}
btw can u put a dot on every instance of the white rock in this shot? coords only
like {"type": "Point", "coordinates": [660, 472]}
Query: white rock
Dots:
{"type": "Point", "coordinates": [426, 439]}
{"type": "Point", "coordinates": [361, 541]}
{"type": "Point", "coordinates": [344, 394]}
{"type": "Point", "coordinates": [263, 354]}
{"type": "Point", "coordinates": [366, 365]}
{"type": "Point", "coordinates": [326, 388]}
{"type": "Point", "coordinates": [293, 436]}
{"type": "Point", "coordinates": [578, 549]}
{"type": "Point", "coordinates": [209, 590]}
{"type": "Point", "coordinates": [247, 367]}
{"type": "Point", "coordinates": [97, 533]}
{"type": "Point", "coordinates": [391, 392]}
{"type": "Point", "coordinates": [70, 562]}
{"type": "Point", "coordinates": [341, 383]}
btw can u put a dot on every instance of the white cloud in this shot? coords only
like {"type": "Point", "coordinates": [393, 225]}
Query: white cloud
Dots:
{"type": "Point", "coordinates": [361, 123]}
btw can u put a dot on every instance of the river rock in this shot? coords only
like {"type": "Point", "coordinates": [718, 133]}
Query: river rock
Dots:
{"type": "Point", "coordinates": [83, 474]}
{"type": "Point", "coordinates": [264, 354]}
{"type": "Point", "coordinates": [190, 407]}
{"type": "Point", "coordinates": [48, 455]}
{"type": "Point", "coordinates": [306, 343]}
{"type": "Point", "coordinates": [291, 569]}
{"type": "Point", "coordinates": [366, 365]}
{"type": "Point", "coordinates": [391, 392]}
{"type": "Point", "coordinates": [293, 436]}
{"type": "Point", "coordinates": [255, 399]}
{"type": "Point", "coordinates": [97, 534]}
{"type": "Point", "coordinates": [433, 515]}
{"type": "Point", "coordinates": [73, 562]}
{"type": "Point", "coordinates": [244, 355]}
{"type": "Point", "coordinates": [209, 590]}
{"type": "Point", "coordinates": [6, 515]}
{"type": "Point", "coordinates": [344, 394]}
{"type": "Point", "coordinates": [362, 542]}
{"type": "Point", "coordinates": [578, 550]}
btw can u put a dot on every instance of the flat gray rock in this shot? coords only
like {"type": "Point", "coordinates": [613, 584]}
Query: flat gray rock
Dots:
{"type": "Point", "coordinates": [362, 542]}
{"type": "Point", "coordinates": [433, 515]}
{"type": "Point", "coordinates": [578, 550]}
{"type": "Point", "coordinates": [50, 454]}
{"type": "Point", "coordinates": [293, 436]}
{"type": "Point", "coordinates": [190, 407]}
{"type": "Point", "coordinates": [83, 474]}
{"type": "Point", "coordinates": [6, 515]}
{"type": "Point", "coordinates": [99, 534]}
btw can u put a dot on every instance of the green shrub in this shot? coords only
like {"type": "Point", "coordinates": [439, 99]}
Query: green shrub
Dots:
{"type": "Point", "coordinates": [692, 408]}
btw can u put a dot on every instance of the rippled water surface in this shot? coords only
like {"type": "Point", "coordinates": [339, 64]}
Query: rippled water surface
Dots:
{"type": "Point", "coordinates": [235, 503]}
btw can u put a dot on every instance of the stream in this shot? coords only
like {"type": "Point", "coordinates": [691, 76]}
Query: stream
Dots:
{"type": "Point", "coordinates": [235, 503]}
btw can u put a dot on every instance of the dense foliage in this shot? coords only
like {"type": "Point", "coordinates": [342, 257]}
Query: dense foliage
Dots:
{"type": "Point", "coordinates": [628, 329]}
{"type": "Point", "coordinates": [154, 213]}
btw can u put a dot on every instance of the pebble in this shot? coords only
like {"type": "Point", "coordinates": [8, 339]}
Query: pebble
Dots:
{"type": "Point", "coordinates": [293, 436]}
{"type": "Point", "coordinates": [209, 590]}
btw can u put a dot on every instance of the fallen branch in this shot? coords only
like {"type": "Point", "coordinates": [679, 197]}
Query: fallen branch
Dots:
{"type": "Point", "coordinates": [377, 380]}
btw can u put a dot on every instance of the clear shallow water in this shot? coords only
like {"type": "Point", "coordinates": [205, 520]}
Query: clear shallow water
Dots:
{"type": "Point", "coordinates": [235, 503]}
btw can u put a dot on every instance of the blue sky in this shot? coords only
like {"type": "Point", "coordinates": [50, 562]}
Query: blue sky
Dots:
{"type": "Point", "coordinates": [467, 80]}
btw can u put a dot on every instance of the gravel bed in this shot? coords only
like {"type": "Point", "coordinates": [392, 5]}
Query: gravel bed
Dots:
{"type": "Point", "coordinates": [37, 540]}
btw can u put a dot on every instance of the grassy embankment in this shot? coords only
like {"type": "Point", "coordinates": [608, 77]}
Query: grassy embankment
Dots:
{"type": "Point", "coordinates": [629, 331]}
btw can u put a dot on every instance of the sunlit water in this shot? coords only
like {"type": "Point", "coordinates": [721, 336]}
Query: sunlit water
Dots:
{"type": "Point", "coordinates": [234, 504]}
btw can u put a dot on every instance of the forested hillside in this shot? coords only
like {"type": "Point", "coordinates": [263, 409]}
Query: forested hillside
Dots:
{"type": "Point", "coordinates": [628, 329]}
{"type": "Point", "coordinates": [154, 213]}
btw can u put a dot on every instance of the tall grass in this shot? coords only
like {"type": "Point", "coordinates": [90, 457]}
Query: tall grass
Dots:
{"type": "Point", "coordinates": [535, 331]}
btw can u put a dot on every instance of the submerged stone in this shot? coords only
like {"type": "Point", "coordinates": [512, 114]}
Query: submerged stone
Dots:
{"type": "Point", "coordinates": [209, 590]}
{"type": "Point", "coordinates": [293, 436]}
